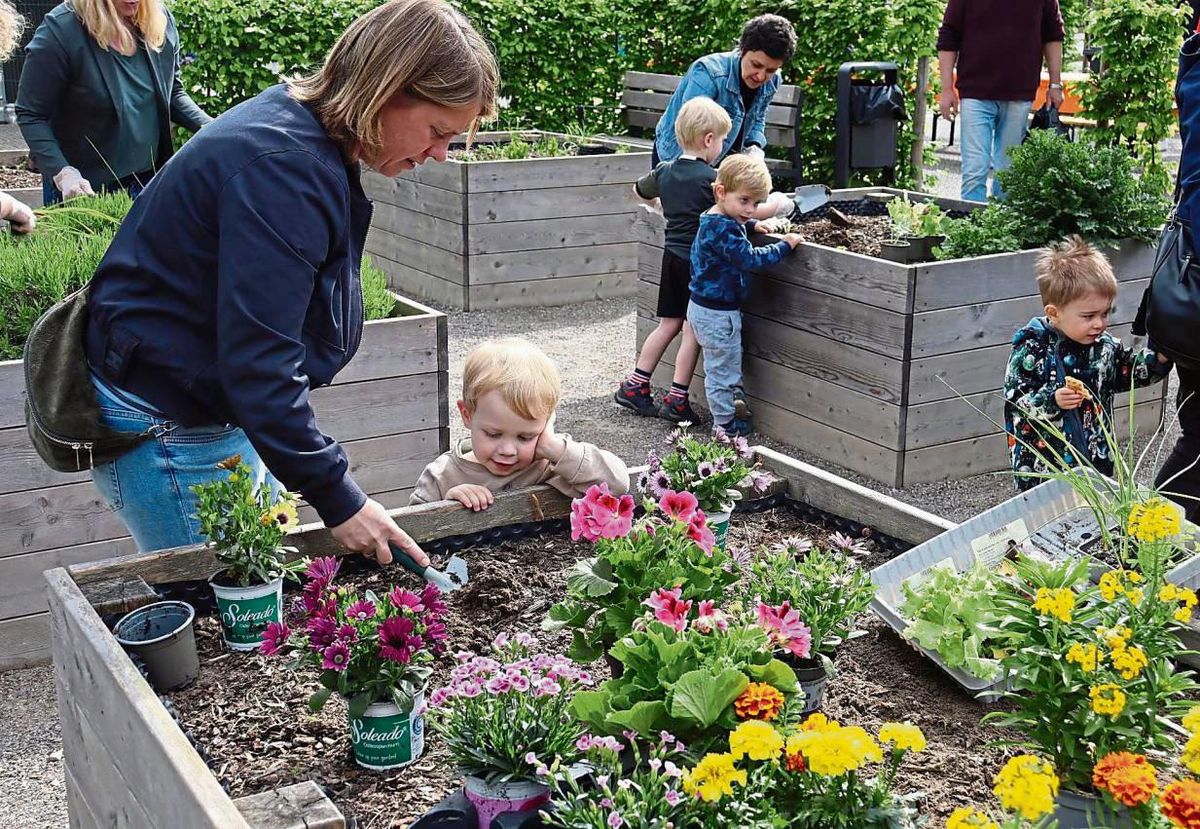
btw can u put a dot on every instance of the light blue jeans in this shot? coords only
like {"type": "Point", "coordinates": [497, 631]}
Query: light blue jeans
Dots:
{"type": "Point", "coordinates": [150, 488]}
{"type": "Point", "coordinates": [988, 129]}
{"type": "Point", "coordinates": [720, 336]}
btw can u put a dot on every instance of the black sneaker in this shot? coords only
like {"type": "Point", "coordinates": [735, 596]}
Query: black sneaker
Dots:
{"type": "Point", "coordinates": [637, 397]}
{"type": "Point", "coordinates": [737, 427]}
{"type": "Point", "coordinates": [677, 410]}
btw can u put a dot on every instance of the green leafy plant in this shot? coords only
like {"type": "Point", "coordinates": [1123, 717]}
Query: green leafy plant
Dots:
{"type": "Point", "coordinates": [711, 469]}
{"type": "Point", "coordinates": [992, 229]}
{"type": "Point", "coordinates": [915, 219]}
{"type": "Point", "coordinates": [246, 522]}
{"type": "Point", "coordinates": [956, 616]}
{"type": "Point", "coordinates": [378, 301]}
{"type": "Point", "coordinates": [826, 587]}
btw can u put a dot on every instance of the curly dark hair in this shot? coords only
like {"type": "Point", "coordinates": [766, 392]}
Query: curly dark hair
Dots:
{"type": "Point", "coordinates": [771, 34]}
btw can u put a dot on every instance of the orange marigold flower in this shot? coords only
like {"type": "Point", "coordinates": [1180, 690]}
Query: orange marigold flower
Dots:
{"type": "Point", "coordinates": [1129, 778]}
{"type": "Point", "coordinates": [759, 701]}
{"type": "Point", "coordinates": [795, 762]}
{"type": "Point", "coordinates": [1181, 803]}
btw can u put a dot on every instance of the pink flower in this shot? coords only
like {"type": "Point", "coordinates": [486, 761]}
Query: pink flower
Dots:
{"type": "Point", "coordinates": [361, 611]}
{"type": "Point", "coordinates": [710, 619]}
{"type": "Point", "coordinates": [672, 797]}
{"type": "Point", "coordinates": [322, 631]}
{"type": "Point", "coordinates": [782, 624]}
{"type": "Point", "coordinates": [396, 639]}
{"type": "Point", "coordinates": [547, 688]}
{"type": "Point", "coordinates": [347, 633]}
{"type": "Point", "coordinates": [336, 657]}
{"type": "Point", "coordinates": [699, 532]}
{"type": "Point", "coordinates": [600, 514]}
{"type": "Point", "coordinates": [500, 641]}
{"type": "Point", "coordinates": [274, 638]}
{"type": "Point", "coordinates": [322, 570]}
{"type": "Point", "coordinates": [668, 608]}
{"type": "Point", "coordinates": [439, 697]}
{"type": "Point", "coordinates": [498, 685]}
{"type": "Point", "coordinates": [431, 597]}
{"type": "Point", "coordinates": [679, 505]}
{"type": "Point", "coordinates": [470, 689]}
{"type": "Point", "coordinates": [406, 600]}
{"type": "Point", "coordinates": [615, 820]}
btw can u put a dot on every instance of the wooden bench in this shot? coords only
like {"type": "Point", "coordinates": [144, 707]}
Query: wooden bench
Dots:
{"type": "Point", "coordinates": [644, 100]}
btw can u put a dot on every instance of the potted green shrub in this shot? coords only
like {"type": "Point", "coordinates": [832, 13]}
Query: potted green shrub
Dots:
{"type": "Point", "coordinates": [827, 590]}
{"type": "Point", "coordinates": [245, 521]}
{"type": "Point", "coordinates": [917, 228]}
{"type": "Point", "coordinates": [506, 721]}
{"type": "Point", "coordinates": [373, 651]}
{"type": "Point", "coordinates": [712, 470]}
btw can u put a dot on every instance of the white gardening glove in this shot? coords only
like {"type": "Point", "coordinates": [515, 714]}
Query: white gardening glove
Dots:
{"type": "Point", "coordinates": [18, 214]}
{"type": "Point", "coordinates": [71, 183]}
{"type": "Point", "coordinates": [781, 203]}
{"type": "Point", "coordinates": [754, 151]}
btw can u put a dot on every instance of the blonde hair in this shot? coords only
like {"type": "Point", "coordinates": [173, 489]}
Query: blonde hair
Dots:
{"type": "Point", "coordinates": [423, 48]}
{"type": "Point", "coordinates": [11, 25]}
{"type": "Point", "coordinates": [523, 374]}
{"type": "Point", "coordinates": [697, 118]}
{"type": "Point", "coordinates": [743, 174]}
{"type": "Point", "coordinates": [1072, 269]}
{"type": "Point", "coordinates": [106, 26]}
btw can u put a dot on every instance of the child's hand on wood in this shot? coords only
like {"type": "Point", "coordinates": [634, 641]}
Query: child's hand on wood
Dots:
{"type": "Point", "coordinates": [793, 239]}
{"type": "Point", "coordinates": [766, 226]}
{"type": "Point", "coordinates": [472, 496]}
{"type": "Point", "coordinates": [550, 446]}
{"type": "Point", "coordinates": [1067, 398]}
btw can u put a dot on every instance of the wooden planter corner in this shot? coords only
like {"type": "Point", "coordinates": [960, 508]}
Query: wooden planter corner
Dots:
{"type": "Point", "coordinates": [878, 366]}
{"type": "Point", "coordinates": [502, 234]}
{"type": "Point", "coordinates": [388, 408]}
{"type": "Point", "coordinates": [129, 764]}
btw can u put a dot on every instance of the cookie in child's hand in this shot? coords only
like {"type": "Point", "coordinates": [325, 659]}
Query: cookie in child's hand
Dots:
{"type": "Point", "coordinates": [1076, 385]}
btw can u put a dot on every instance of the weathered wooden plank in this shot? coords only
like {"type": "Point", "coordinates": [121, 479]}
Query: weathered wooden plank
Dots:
{"type": "Point", "coordinates": [778, 114]}
{"type": "Point", "coordinates": [12, 393]}
{"type": "Point", "coordinates": [572, 171]}
{"type": "Point", "coordinates": [776, 136]}
{"type": "Point", "coordinates": [414, 282]}
{"type": "Point", "coordinates": [581, 231]}
{"type": "Point", "coordinates": [447, 175]}
{"type": "Point", "coordinates": [966, 372]}
{"type": "Point", "coordinates": [946, 421]}
{"type": "Point", "coordinates": [993, 323]}
{"type": "Point", "coordinates": [423, 227]}
{"type": "Point", "coordinates": [61, 516]}
{"type": "Point", "coordinates": [837, 496]}
{"type": "Point", "coordinates": [950, 461]}
{"type": "Point", "coordinates": [374, 408]}
{"type": "Point", "coordinates": [164, 773]}
{"type": "Point", "coordinates": [120, 595]}
{"type": "Point", "coordinates": [404, 192]}
{"type": "Point", "coordinates": [24, 641]}
{"type": "Point", "coordinates": [24, 469]}
{"type": "Point", "coordinates": [415, 254]}
{"type": "Point", "coordinates": [397, 347]}
{"type": "Point", "coordinates": [392, 461]}
{"type": "Point", "coordinates": [299, 806]}
{"type": "Point", "coordinates": [552, 203]}
{"type": "Point", "coordinates": [551, 263]}
{"type": "Point", "coordinates": [562, 291]}
{"type": "Point", "coordinates": [979, 279]}
{"type": "Point", "coordinates": [22, 587]}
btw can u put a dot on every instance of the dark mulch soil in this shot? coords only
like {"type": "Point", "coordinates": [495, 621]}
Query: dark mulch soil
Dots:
{"type": "Point", "coordinates": [251, 718]}
{"type": "Point", "coordinates": [863, 236]}
{"type": "Point", "coordinates": [16, 178]}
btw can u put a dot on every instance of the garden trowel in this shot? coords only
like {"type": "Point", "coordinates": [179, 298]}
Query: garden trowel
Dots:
{"type": "Point", "coordinates": [454, 577]}
{"type": "Point", "coordinates": [808, 198]}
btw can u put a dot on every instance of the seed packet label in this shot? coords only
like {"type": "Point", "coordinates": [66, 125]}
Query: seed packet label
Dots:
{"type": "Point", "coordinates": [917, 579]}
{"type": "Point", "coordinates": [244, 620]}
{"type": "Point", "coordinates": [389, 741]}
{"type": "Point", "coordinates": [990, 550]}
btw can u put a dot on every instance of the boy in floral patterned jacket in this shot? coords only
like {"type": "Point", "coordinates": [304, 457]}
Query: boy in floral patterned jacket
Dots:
{"type": "Point", "coordinates": [1065, 368]}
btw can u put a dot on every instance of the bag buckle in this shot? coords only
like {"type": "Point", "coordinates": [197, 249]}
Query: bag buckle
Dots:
{"type": "Point", "coordinates": [160, 429]}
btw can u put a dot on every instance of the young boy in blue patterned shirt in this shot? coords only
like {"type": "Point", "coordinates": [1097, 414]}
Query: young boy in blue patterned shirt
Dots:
{"type": "Point", "coordinates": [722, 258]}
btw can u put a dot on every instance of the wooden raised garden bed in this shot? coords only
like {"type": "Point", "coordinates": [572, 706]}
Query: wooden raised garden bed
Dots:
{"type": "Point", "coordinates": [500, 234]}
{"type": "Point", "coordinates": [388, 407]}
{"type": "Point", "coordinates": [875, 365]}
{"type": "Point", "coordinates": [129, 763]}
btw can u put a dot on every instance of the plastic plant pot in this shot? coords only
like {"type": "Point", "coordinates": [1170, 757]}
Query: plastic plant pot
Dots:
{"type": "Point", "coordinates": [162, 636]}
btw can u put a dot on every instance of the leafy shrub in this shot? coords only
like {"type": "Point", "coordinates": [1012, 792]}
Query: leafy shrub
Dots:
{"type": "Point", "coordinates": [378, 302]}
{"type": "Point", "coordinates": [994, 229]}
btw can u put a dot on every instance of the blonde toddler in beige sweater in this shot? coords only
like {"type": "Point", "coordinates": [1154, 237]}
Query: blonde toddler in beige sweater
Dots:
{"type": "Point", "coordinates": [510, 392]}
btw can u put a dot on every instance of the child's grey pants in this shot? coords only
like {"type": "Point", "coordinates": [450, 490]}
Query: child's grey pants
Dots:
{"type": "Point", "coordinates": [720, 336]}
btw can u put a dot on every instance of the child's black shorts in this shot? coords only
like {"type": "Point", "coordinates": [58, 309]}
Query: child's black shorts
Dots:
{"type": "Point", "coordinates": [673, 293]}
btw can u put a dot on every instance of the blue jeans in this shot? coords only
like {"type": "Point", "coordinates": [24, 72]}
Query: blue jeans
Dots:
{"type": "Point", "coordinates": [150, 488]}
{"type": "Point", "coordinates": [988, 129]}
{"type": "Point", "coordinates": [720, 336]}
{"type": "Point", "coordinates": [52, 195]}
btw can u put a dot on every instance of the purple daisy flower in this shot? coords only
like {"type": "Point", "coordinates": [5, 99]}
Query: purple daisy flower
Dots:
{"type": "Point", "coordinates": [274, 638]}
{"type": "Point", "coordinates": [361, 611]}
{"type": "Point", "coordinates": [322, 570]}
{"type": "Point", "coordinates": [322, 632]}
{"type": "Point", "coordinates": [337, 656]}
{"type": "Point", "coordinates": [705, 469]}
{"type": "Point", "coordinates": [395, 639]}
{"type": "Point", "coordinates": [402, 599]}
{"type": "Point", "coordinates": [347, 634]}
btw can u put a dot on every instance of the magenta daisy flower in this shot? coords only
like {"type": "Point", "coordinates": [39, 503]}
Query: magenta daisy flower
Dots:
{"type": "Point", "coordinates": [336, 656]}
{"type": "Point", "coordinates": [395, 639]}
{"type": "Point", "coordinates": [361, 611]}
{"type": "Point", "coordinates": [274, 638]}
{"type": "Point", "coordinates": [322, 570]}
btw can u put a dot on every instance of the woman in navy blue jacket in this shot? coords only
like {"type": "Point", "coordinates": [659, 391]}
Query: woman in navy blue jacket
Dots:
{"type": "Point", "coordinates": [232, 288]}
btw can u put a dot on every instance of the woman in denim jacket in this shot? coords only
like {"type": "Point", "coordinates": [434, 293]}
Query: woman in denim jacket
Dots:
{"type": "Point", "coordinates": [743, 82]}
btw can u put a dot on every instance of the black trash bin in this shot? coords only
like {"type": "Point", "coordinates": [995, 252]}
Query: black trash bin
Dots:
{"type": "Point", "coordinates": [868, 116]}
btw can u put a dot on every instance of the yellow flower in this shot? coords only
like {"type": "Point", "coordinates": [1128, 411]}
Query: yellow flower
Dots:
{"type": "Point", "coordinates": [835, 752]}
{"type": "Point", "coordinates": [1187, 596]}
{"type": "Point", "coordinates": [1191, 754]}
{"type": "Point", "coordinates": [965, 817]}
{"type": "Point", "coordinates": [1116, 638]}
{"type": "Point", "coordinates": [1027, 785]}
{"type": "Point", "coordinates": [713, 777]}
{"type": "Point", "coordinates": [819, 722]}
{"type": "Point", "coordinates": [1058, 602]}
{"type": "Point", "coordinates": [757, 739]}
{"type": "Point", "coordinates": [1111, 585]}
{"type": "Point", "coordinates": [1168, 592]}
{"type": "Point", "coordinates": [1153, 520]}
{"type": "Point", "coordinates": [1129, 661]}
{"type": "Point", "coordinates": [904, 736]}
{"type": "Point", "coordinates": [1135, 596]}
{"type": "Point", "coordinates": [284, 514]}
{"type": "Point", "coordinates": [1191, 720]}
{"type": "Point", "coordinates": [759, 701]}
{"type": "Point", "coordinates": [1107, 700]}
{"type": "Point", "coordinates": [1085, 656]}
{"type": "Point", "coordinates": [1182, 615]}
{"type": "Point", "coordinates": [1133, 576]}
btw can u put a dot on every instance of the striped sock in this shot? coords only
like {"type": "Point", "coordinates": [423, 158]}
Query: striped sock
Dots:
{"type": "Point", "coordinates": [638, 378]}
{"type": "Point", "coordinates": [678, 392]}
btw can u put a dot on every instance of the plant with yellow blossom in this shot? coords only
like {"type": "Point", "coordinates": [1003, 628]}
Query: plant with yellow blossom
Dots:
{"type": "Point", "coordinates": [246, 522]}
{"type": "Point", "coordinates": [1026, 787]}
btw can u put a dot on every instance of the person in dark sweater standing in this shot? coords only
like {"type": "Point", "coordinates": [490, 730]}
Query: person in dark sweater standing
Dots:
{"type": "Point", "coordinates": [997, 48]}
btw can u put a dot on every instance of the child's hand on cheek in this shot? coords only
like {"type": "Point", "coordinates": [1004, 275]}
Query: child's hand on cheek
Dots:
{"type": "Point", "coordinates": [550, 446]}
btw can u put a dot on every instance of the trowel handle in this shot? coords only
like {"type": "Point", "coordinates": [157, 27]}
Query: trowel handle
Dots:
{"type": "Point", "coordinates": [407, 561]}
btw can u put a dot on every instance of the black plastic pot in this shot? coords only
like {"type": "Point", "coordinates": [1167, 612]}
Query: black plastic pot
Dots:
{"type": "Point", "coordinates": [896, 252]}
{"type": "Point", "coordinates": [161, 634]}
{"type": "Point", "coordinates": [595, 149]}
{"type": "Point", "coordinates": [922, 247]}
{"type": "Point", "coordinates": [813, 678]}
